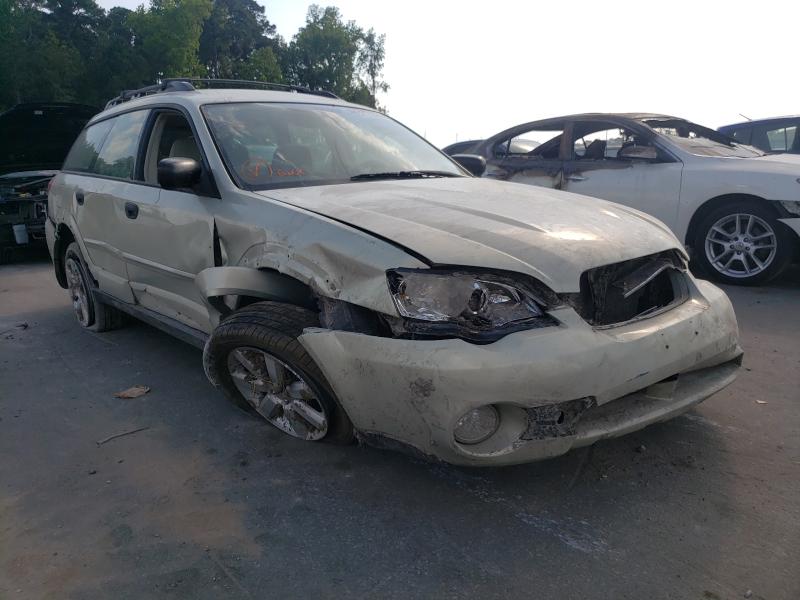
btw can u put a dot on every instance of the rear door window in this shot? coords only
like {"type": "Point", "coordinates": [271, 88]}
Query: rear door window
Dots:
{"type": "Point", "coordinates": [84, 151]}
{"type": "Point", "coordinates": [782, 138]}
{"type": "Point", "coordinates": [117, 157]}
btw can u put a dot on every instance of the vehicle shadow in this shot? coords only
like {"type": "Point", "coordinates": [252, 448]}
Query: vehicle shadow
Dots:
{"type": "Point", "coordinates": [23, 254]}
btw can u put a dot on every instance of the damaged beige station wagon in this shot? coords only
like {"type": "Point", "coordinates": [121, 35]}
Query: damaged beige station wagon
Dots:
{"type": "Point", "coordinates": [346, 279]}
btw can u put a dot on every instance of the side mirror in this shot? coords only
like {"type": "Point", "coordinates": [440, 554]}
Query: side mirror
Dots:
{"type": "Point", "coordinates": [471, 162]}
{"type": "Point", "coordinates": [638, 153]}
{"type": "Point", "coordinates": [178, 173]}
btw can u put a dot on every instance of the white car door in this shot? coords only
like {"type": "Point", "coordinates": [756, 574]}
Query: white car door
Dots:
{"type": "Point", "coordinates": [100, 176]}
{"type": "Point", "coordinates": [617, 165]}
{"type": "Point", "coordinates": [176, 228]}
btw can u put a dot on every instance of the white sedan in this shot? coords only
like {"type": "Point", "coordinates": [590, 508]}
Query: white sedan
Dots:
{"type": "Point", "coordinates": [736, 209]}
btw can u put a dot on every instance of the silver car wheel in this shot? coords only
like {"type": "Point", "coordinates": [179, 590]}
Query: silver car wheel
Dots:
{"type": "Point", "coordinates": [78, 291]}
{"type": "Point", "coordinates": [741, 245]}
{"type": "Point", "coordinates": [278, 393]}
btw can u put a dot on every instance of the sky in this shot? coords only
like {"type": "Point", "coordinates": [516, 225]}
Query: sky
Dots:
{"type": "Point", "coordinates": [465, 70]}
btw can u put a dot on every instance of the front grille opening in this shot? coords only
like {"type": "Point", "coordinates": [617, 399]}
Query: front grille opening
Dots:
{"type": "Point", "coordinates": [633, 289]}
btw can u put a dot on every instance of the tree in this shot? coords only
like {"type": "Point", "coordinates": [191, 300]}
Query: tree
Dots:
{"type": "Point", "coordinates": [73, 50]}
{"type": "Point", "coordinates": [323, 53]}
{"type": "Point", "coordinates": [36, 64]}
{"type": "Point", "coordinates": [75, 22]}
{"type": "Point", "coordinates": [371, 55]}
{"type": "Point", "coordinates": [329, 53]}
{"type": "Point", "coordinates": [168, 35]}
{"type": "Point", "coordinates": [235, 31]}
{"type": "Point", "coordinates": [117, 63]}
{"type": "Point", "coordinates": [261, 66]}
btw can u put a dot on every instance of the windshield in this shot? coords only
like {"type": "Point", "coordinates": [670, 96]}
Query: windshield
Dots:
{"type": "Point", "coordinates": [701, 141]}
{"type": "Point", "coordinates": [270, 145]}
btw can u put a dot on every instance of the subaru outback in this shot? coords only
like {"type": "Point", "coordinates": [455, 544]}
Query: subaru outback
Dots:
{"type": "Point", "coordinates": [346, 279]}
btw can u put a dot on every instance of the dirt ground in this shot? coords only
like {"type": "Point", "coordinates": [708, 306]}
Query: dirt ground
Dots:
{"type": "Point", "coordinates": [207, 502]}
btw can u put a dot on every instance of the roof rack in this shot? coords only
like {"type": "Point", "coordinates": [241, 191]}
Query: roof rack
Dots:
{"type": "Point", "coordinates": [188, 84]}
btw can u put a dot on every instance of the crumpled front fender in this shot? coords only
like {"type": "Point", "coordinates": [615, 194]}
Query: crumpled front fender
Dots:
{"type": "Point", "coordinates": [215, 283]}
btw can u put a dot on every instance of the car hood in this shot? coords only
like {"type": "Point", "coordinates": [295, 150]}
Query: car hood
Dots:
{"type": "Point", "coordinates": [552, 235]}
{"type": "Point", "coordinates": [38, 135]}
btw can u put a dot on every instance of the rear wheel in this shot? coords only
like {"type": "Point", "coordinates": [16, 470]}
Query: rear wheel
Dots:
{"type": "Point", "coordinates": [91, 314]}
{"type": "Point", "coordinates": [256, 359]}
{"type": "Point", "coordinates": [742, 243]}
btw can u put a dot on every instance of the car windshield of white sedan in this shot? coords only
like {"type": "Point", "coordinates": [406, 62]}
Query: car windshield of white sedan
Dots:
{"type": "Point", "coordinates": [270, 145]}
{"type": "Point", "coordinates": [701, 141]}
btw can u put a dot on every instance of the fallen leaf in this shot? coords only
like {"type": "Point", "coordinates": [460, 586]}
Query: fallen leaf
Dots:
{"type": "Point", "coordinates": [761, 401]}
{"type": "Point", "coordinates": [134, 392]}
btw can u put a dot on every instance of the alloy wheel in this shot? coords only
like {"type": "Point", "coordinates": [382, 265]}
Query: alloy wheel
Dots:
{"type": "Point", "coordinates": [278, 393]}
{"type": "Point", "coordinates": [77, 291]}
{"type": "Point", "coordinates": [741, 245]}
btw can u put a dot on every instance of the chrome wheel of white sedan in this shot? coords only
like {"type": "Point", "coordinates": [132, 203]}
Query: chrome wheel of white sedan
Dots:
{"type": "Point", "coordinates": [278, 393]}
{"type": "Point", "coordinates": [741, 245]}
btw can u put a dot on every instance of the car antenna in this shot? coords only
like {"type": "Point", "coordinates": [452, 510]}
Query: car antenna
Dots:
{"type": "Point", "coordinates": [745, 116]}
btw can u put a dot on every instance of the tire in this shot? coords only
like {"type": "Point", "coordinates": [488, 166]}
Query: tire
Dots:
{"type": "Point", "coordinates": [266, 333]}
{"type": "Point", "coordinates": [91, 314]}
{"type": "Point", "coordinates": [739, 235]}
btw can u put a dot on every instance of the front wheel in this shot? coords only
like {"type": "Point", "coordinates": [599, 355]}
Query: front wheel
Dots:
{"type": "Point", "coordinates": [742, 243]}
{"type": "Point", "coordinates": [255, 357]}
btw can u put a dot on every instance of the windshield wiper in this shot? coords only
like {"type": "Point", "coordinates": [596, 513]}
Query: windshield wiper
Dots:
{"type": "Point", "coordinates": [403, 175]}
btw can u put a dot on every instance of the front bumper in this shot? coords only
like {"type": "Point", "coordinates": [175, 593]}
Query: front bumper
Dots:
{"type": "Point", "coordinates": [792, 223]}
{"type": "Point", "coordinates": [414, 391]}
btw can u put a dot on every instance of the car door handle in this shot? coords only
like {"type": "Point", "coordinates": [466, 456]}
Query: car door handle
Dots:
{"type": "Point", "coordinates": [131, 210]}
{"type": "Point", "coordinates": [79, 198]}
{"type": "Point", "coordinates": [576, 178]}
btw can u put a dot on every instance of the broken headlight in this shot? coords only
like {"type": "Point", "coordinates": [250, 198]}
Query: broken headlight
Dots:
{"type": "Point", "coordinates": [463, 301]}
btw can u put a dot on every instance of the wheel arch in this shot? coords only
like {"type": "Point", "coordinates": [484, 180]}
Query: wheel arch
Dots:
{"type": "Point", "coordinates": [250, 285]}
{"type": "Point", "coordinates": [63, 238]}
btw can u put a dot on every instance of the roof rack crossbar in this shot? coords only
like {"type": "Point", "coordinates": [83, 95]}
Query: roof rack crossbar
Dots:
{"type": "Point", "coordinates": [174, 84]}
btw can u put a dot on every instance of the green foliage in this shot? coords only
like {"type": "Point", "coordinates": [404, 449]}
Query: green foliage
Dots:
{"type": "Point", "coordinates": [36, 63]}
{"type": "Point", "coordinates": [237, 34]}
{"type": "Point", "coordinates": [262, 65]}
{"type": "Point", "coordinates": [323, 53]}
{"type": "Point", "coordinates": [168, 35]}
{"type": "Point", "coordinates": [329, 53]}
{"type": "Point", "coordinates": [73, 50]}
{"type": "Point", "coordinates": [371, 57]}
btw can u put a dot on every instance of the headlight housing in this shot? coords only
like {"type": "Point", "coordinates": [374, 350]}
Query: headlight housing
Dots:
{"type": "Point", "coordinates": [470, 305]}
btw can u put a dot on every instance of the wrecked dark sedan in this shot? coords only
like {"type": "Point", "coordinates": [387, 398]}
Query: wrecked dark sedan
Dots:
{"type": "Point", "coordinates": [348, 280]}
{"type": "Point", "coordinates": [737, 209]}
{"type": "Point", "coordinates": [34, 139]}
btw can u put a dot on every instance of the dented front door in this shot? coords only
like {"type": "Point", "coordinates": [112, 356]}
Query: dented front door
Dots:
{"type": "Point", "coordinates": [175, 245]}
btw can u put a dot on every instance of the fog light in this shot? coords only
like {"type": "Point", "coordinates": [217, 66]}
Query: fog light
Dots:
{"type": "Point", "coordinates": [477, 425]}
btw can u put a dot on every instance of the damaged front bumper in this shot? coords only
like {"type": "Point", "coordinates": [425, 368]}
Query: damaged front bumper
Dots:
{"type": "Point", "coordinates": [554, 388]}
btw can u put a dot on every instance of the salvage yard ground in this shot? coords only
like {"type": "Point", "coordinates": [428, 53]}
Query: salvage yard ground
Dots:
{"type": "Point", "coordinates": [204, 501]}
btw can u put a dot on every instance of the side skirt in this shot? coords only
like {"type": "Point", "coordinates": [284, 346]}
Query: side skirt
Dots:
{"type": "Point", "coordinates": [187, 334]}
